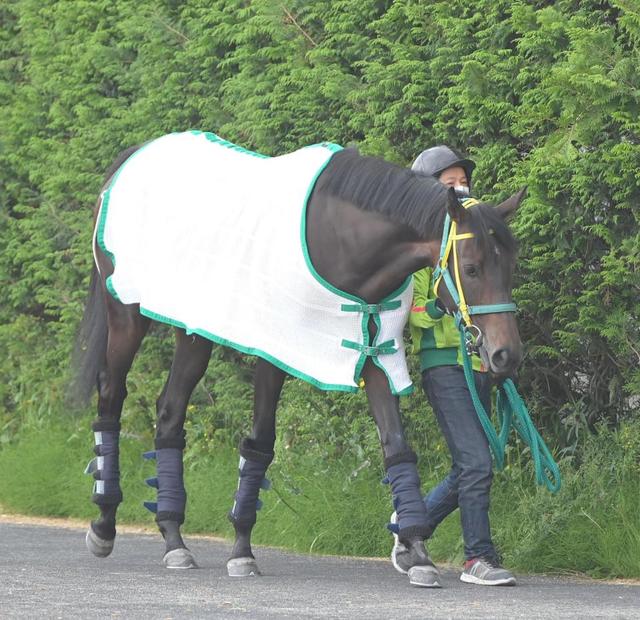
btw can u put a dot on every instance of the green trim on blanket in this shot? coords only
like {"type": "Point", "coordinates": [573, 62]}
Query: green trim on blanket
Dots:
{"type": "Point", "coordinates": [384, 304]}
{"type": "Point", "coordinates": [361, 302]}
{"type": "Point", "coordinates": [212, 137]}
{"type": "Point", "coordinates": [102, 217]}
{"type": "Point", "coordinates": [249, 351]}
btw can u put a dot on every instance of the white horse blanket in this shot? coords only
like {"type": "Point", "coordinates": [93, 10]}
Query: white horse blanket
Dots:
{"type": "Point", "coordinates": [210, 237]}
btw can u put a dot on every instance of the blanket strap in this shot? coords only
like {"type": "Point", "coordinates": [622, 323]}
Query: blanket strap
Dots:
{"type": "Point", "coordinates": [383, 348]}
{"type": "Point", "coordinates": [372, 308]}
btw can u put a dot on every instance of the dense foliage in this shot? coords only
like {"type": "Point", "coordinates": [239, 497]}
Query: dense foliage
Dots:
{"type": "Point", "coordinates": [540, 93]}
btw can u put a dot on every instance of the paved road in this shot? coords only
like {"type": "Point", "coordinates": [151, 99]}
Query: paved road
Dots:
{"type": "Point", "coordinates": [46, 572]}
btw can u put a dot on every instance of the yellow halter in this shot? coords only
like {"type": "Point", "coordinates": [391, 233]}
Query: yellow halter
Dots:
{"type": "Point", "coordinates": [443, 263]}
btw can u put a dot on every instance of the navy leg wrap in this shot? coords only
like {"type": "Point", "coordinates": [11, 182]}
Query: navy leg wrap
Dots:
{"type": "Point", "coordinates": [403, 477]}
{"type": "Point", "coordinates": [105, 466]}
{"type": "Point", "coordinates": [252, 468]}
{"type": "Point", "coordinates": [172, 497]}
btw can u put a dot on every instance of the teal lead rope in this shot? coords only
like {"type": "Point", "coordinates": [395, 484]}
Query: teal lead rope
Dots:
{"type": "Point", "coordinates": [512, 412]}
{"type": "Point", "coordinates": [511, 409]}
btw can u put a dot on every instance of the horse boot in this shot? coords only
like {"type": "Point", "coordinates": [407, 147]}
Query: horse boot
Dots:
{"type": "Point", "coordinates": [411, 527]}
{"type": "Point", "coordinates": [106, 488]}
{"type": "Point", "coordinates": [251, 478]}
{"type": "Point", "coordinates": [171, 501]}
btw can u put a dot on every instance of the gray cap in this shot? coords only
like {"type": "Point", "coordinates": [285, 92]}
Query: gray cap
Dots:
{"type": "Point", "coordinates": [434, 161]}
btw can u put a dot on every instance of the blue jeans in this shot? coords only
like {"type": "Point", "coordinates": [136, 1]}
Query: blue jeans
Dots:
{"type": "Point", "coordinates": [468, 484]}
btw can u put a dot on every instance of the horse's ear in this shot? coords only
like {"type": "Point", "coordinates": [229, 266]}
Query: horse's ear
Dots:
{"type": "Point", "coordinates": [456, 211]}
{"type": "Point", "coordinates": [507, 208]}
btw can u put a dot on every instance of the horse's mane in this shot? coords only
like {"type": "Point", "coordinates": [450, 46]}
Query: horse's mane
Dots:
{"type": "Point", "coordinates": [405, 197]}
{"type": "Point", "coordinates": [399, 194]}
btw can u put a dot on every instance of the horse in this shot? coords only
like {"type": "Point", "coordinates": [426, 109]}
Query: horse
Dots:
{"type": "Point", "coordinates": [366, 226]}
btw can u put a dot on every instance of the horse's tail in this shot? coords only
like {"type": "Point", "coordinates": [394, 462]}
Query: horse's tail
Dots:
{"type": "Point", "coordinates": [91, 341]}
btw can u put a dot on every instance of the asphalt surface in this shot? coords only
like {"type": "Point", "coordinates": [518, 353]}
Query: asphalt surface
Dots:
{"type": "Point", "coordinates": [46, 572]}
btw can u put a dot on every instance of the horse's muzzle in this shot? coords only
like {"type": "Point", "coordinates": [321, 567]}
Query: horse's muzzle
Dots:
{"type": "Point", "coordinates": [503, 362]}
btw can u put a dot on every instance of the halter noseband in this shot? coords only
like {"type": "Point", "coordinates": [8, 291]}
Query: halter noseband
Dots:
{"type": "Point", "coordinates": [441, 272]}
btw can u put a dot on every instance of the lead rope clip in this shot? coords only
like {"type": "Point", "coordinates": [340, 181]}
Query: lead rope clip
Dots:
{"type": "Point", "coordinates": [472, 340]}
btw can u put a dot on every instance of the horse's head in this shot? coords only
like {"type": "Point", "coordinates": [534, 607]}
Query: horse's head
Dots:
{"type": "Point", "coordinates": [474, 279]}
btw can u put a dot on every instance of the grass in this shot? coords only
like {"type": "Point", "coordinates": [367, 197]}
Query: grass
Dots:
{"type": "Point", "coordinates": [592, 526]}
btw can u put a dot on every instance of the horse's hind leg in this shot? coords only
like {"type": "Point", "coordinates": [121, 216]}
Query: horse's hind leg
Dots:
{"type": "Point", "coordinates": [256, 454]}
{"type": "Point", "coordinates": [189, 364]}
{"type": "Point", "coordinates": [126, 329]}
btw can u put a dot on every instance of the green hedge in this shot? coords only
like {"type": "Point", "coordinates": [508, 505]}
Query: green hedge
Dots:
{"type": "Point", "coordinates": [539, 93]}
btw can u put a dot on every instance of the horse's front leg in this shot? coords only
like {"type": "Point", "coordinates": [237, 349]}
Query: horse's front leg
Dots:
{"type": "Point", "coordinates": [256, 454]}
{"type": "Point", "coordinates": [189, 364]}
{"type": "Point", "coordinates": [402, 474]}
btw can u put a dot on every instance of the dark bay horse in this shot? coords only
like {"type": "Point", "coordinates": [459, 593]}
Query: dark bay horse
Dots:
{"type": "Point", "coordinates": [369, 226]}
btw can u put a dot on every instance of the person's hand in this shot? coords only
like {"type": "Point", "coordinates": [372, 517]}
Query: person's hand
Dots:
{"type": "Point", "coordinates": [435, 308]}
{"type": "Point", "coordinates": [440, 306]}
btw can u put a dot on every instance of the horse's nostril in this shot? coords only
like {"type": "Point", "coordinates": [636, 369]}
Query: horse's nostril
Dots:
{"type": "Point", "coordinates": [500, 359]}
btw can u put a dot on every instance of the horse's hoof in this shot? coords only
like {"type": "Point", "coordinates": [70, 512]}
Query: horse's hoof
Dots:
{"type": "Point", "coordinates": [99, 547]}
{"type": "Point", "coordinates": [179, 558]}
{"type": "Point", "coordinates": [424, 576]}
{"type": "Point", "coordinates": [243, 567]}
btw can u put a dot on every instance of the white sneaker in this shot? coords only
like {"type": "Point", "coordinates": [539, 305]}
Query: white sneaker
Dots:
{"type": "Point", "coordinates": [482, 572]}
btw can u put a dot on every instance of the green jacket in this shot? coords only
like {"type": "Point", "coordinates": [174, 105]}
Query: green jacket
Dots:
{"type": "Point", "coordinates": [435, 337]}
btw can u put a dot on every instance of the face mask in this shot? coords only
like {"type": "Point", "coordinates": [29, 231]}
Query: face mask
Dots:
{"type": "Point", "coordinates": [461, 191]}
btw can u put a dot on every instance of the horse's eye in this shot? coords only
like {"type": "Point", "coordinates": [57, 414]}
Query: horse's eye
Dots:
{"type": "Point", "coordinates": [471, 271]}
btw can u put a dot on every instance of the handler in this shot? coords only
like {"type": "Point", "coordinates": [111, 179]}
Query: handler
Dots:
{"type": "Point", "coordinates": [437, 342]}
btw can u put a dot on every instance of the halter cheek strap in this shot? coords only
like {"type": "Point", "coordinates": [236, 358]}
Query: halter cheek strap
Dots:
{"type": "Point", "coordinates": [450, 238]}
